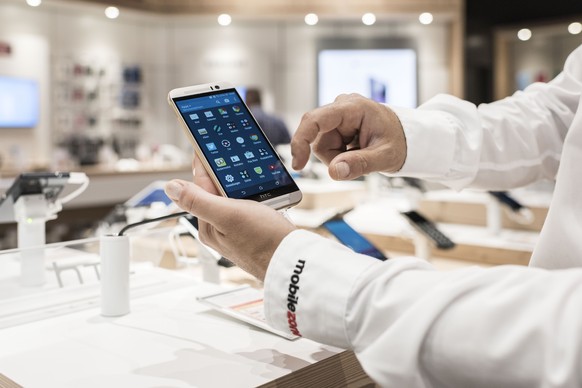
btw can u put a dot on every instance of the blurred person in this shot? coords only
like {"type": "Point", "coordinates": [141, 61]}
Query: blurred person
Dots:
{"type": "Point", "coordinates": [274, 127]}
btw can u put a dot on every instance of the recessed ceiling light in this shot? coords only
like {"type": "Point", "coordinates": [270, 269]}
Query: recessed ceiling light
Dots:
{"type": "Point", "coordinates": [311, 19]}
{"type": "Point", "coordinates": [425, 18]}
{"type": "Point", "coordinates": [112, 12]}
{"type": "Point", "coordinates": [34, 3]}
{"type": "Point", "coordinates": [369, 19]}
{"type": "Point", "coordinates": [524, 34]}
{"type": "Point", "coordinates": [224, 19]}
{"type": "Point", "coordinates": [575, 28]}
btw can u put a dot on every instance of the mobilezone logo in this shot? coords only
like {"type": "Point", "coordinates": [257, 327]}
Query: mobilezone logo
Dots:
{"type": "Point", "coordinates": [292, 298]}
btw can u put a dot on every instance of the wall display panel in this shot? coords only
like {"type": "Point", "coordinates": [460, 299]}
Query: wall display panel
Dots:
{"type": "Point", "coordinates": [383, 70]}
{"type": "Point", "coordinates": [19, 102]}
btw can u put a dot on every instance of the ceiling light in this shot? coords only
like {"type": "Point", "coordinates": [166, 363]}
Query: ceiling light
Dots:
{"type": "Point", "coordinates": [524, 34]}
{"type": "Point", "coordinates": [224, 19]}
{"type": "Point", "coordinates": [575, 28]}
{"type": "Point", "coordinates": [112, 12]}
{"type": "Point", "coordinates": [369, 19]}
{"type": "Point", "coordinates": [311, 19]}
{"type": "Point", "coordinates": [425, 18]}
{"type": "Point", "coordinates": [33, 3]}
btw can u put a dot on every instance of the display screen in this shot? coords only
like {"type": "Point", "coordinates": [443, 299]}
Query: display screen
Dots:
{"type": "Point", "coordinates": [352, 239]}
{"type": "Point", "coordinates": [19, 102]}
{"type": "Point", "coordinates": [384, 75]}
{"type": "Point", "coordinates": [157, 195]}
{"type": "Point", "coordinates": [237, 150]}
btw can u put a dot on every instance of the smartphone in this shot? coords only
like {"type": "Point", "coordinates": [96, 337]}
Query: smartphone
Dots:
{"type": "Point", "coordinates": [233, 148]}
{"type": "Point", "coordinates": [348, 236]}
{"type": "Point", "coordinates": [153, 192]}
{"type": "Point", "coordinates": [429, 229]}
{"type": "Point", "coordinates": [507, 200]}
{"type": "Point", "coordinates": [51, 184]}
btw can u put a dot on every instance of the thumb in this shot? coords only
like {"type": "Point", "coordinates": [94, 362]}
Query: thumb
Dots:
{"type": "Point", "coordinates": [211, 208]}
{"type": "Point", "coordinates": [354, 164]}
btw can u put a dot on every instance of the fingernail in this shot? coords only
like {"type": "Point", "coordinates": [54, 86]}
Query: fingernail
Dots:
{"type": "Point", "coordinates": [173, 190]}
{"type": "Point", "coordinates": [342, 170]}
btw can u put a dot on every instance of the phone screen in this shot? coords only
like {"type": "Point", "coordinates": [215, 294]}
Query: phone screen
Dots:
{"type": "Point", "coordinates": [237, 150]}
{"type": "Point", "coordinates": [352, 239]}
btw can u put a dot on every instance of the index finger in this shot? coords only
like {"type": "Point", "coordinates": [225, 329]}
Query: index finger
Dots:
{"type": "Point", "coordinates": [322, 119]}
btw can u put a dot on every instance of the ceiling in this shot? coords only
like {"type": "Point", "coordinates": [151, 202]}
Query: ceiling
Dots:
{"type": "Point", "coordinates": [261, 8]}
{"type": "Point", "coordinates": [480, 15]}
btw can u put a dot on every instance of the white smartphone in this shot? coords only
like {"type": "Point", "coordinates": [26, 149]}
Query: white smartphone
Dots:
{"type": "Point", "coordinates": [233, 148]}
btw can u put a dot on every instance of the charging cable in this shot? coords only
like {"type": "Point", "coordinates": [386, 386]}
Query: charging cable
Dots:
{"type": "Point", "coordinates": [147, 221]}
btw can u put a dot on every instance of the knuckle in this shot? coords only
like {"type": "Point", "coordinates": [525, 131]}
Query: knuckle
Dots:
{"type": "Point", "coordinates": [307, 117]}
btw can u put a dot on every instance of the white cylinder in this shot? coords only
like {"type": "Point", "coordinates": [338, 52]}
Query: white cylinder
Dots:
{"type": "Point", "coordinates": [115, 253]}
{"type": "Point", "coordinates": [422, 246]}
{"type": "Point", "coordinates": [31, 233]}
{"type": "Point", "coordinates": [494, 217]}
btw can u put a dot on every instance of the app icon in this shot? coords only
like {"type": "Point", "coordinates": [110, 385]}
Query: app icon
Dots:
{"type": "Point", "coordinates": [217, 128]}
{"type": "Point", "coordinates": [235, 158]}
{"type": "Point", "coordinates": [240, 140]}
{"type": "Point", "coordinates": [236, 108]}
{"type": "Point", "coordinates": [194, 116]}
{"type": "Point", "coordinates": [258, 170]}
{"type": "Point", "coordinates": [226, 100]}
{"type": "Point", "coordinates": [254, 137]}
{"type": "Point", "coordinates": [229, 178]}
{"type": "Point", "coordinates": [244, 122]}
{"type": "Point", "coordinates": [202, 131]}
{"type": "Point", "coordinates": [208, 114]}
{"type": "Point", "coordinates": [263, 152]}
{"type": "Point", "coordinates": [222, 111]}
{"type": "Point", "coordinates": [220, 162]}
{"type": "Point", "coordinates": [231, 126]}
{"type": "Point", "coordinates": [225, 143]}
{"type": "Point", "coordinates": [211, 146]}
{"type": "Point", "coordinates": [249, 155]}
{"type": "Point", "coordinates": [244, 174]}
{"type": "Point", "coordinates": [272, 167]}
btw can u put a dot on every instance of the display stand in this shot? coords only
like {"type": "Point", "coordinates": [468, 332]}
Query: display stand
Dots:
{"type": "Point", "coordinates": [31, 213]}
{"type": "Point", "coordinates": [422, 246]}
{"type": "Point", "coordinates": [493, 216]}
{"type": "Point", "coordinates": [31, 201]}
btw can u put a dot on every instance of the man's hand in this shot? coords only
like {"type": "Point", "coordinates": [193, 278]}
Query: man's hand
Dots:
{"type": "Point", "coordinates": [370, 131]}
{"type": "Point", "coordinates": [245, 232]}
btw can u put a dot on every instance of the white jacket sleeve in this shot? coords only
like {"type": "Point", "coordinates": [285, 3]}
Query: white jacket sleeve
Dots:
{"type": "Point", "coordinates": [413, 326]}
{"type": "Point", "coordinates": [505, 144]}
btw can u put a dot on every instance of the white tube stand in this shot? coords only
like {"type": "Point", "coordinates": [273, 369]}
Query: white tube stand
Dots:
{"type": "Point", "coordinates": [422, 246]}
{"type": "Point", "coordinates": [31, 212]}
{"type": "Point", "coordinates": [494, 216]}
{"type": "Point", "coordinates": [115, 254]}
{"type": "Point", "coordinates": [210, 268]}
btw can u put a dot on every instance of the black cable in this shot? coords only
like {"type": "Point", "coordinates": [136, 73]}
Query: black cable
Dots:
{"type": "Point", "coordinates": [174, 215]}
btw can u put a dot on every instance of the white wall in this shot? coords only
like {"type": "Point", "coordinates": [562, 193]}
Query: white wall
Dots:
{"type": "Point", "coordinates": [30, 58]}
{"type": "Point", "coordinates": [276, 56]}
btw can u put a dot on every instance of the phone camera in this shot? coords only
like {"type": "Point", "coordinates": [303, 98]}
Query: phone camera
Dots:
{"type": "Point", "coordinates": [216, 87]}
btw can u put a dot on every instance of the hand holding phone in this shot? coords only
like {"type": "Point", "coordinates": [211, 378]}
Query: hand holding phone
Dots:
{"type": "Point", "coordinates": [232, 147]}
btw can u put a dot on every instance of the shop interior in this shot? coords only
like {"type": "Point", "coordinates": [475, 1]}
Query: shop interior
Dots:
{"type": "Point", "coordinates": [84, 113]}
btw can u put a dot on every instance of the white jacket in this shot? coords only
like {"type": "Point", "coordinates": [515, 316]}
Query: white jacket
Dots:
{"type": "Point", "coordinates": [412, 326]}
